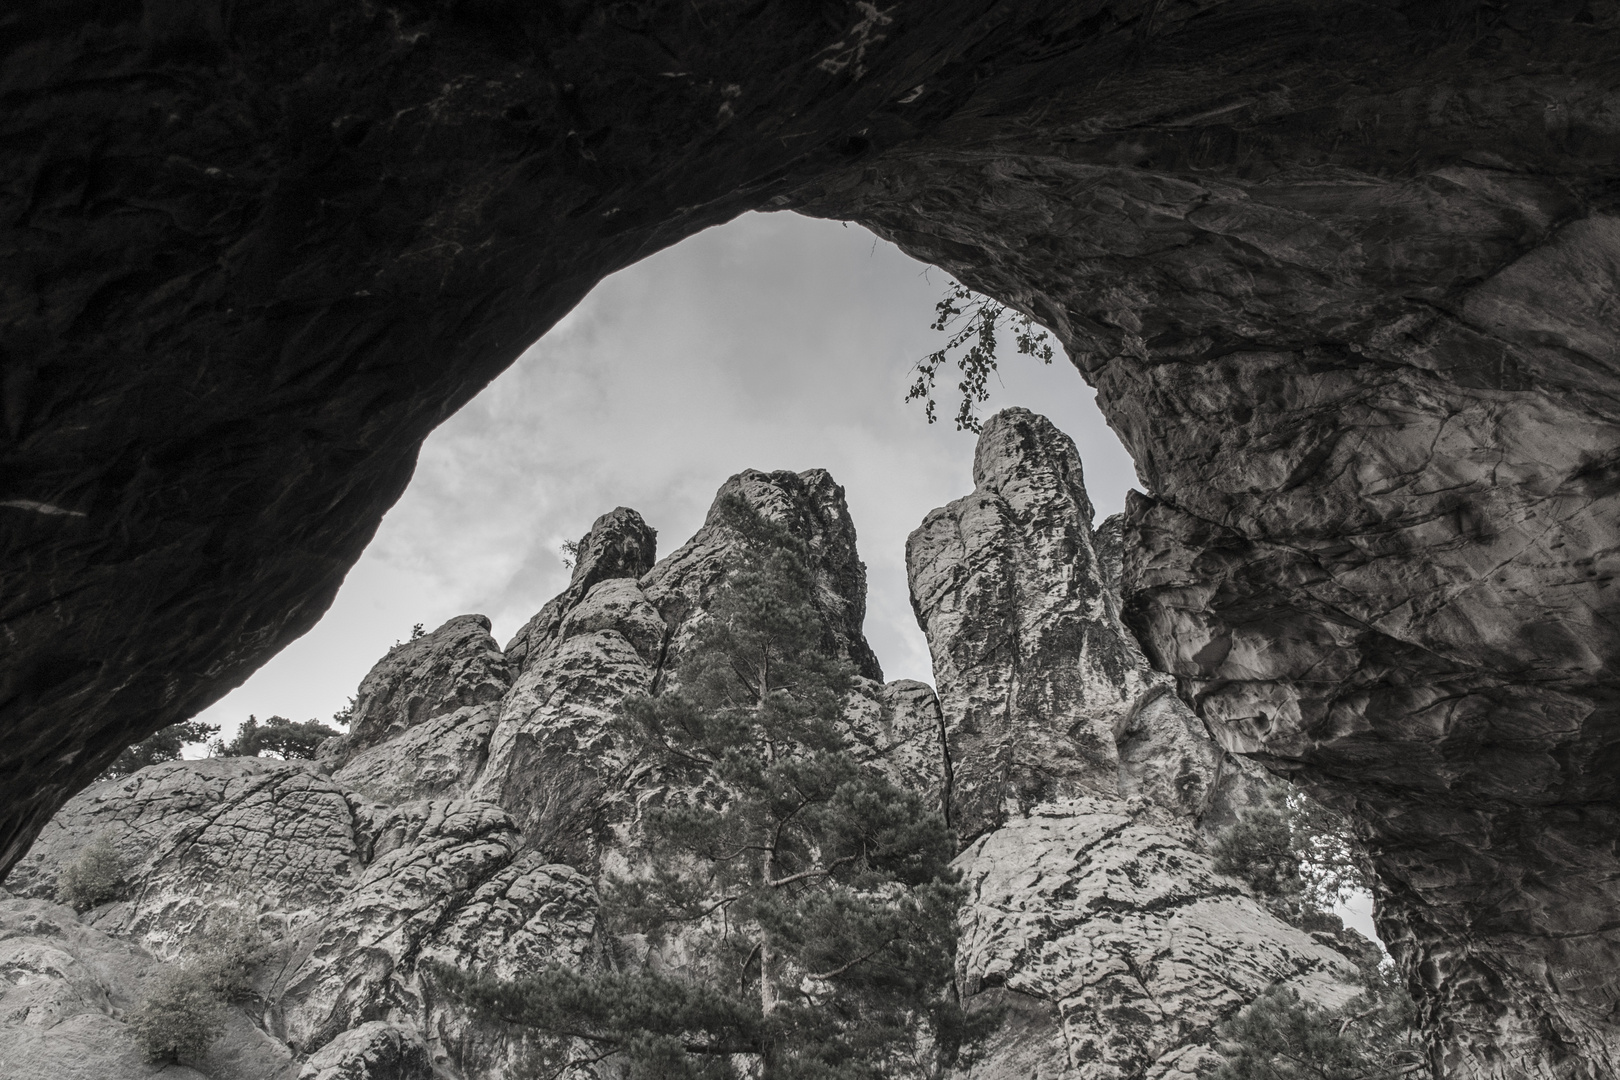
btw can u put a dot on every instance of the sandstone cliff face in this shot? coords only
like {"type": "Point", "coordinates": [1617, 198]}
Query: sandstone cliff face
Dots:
{"type": "Point", "coordinates": [1093, 912]}
{"type": "Point", "coordinates": [1342, 274]}
{"type": "Point", "coordinates": [1373, 416]}
{"type": "Point", "coordinates": [465, 817]}
{"type": "Point", "coordinates": [64, 990]}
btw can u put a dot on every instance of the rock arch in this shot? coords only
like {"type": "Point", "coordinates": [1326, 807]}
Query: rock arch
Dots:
{"type": "Point", "coordinates": [1343, 275]}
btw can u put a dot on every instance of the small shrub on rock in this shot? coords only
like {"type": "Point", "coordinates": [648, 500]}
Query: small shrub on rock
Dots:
{"type": "Point", "coordinates": [180, 1018]}
{"type": "Point", "coordinates": [93, 878]}
{"type": "Point", "coordinates": [233, 948]}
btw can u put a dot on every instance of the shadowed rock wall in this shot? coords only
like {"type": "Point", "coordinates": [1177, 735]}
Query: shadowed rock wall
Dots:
{"type": "Point", "coordinates": [1342, 274]}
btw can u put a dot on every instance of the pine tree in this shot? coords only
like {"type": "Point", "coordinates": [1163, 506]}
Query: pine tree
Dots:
{"type": "Point", "coordinates": [164, 744]}
{"type": "Point", "coordinates": [278, 736]}
{"type": "Point", "coordinates": [804, 906]}
{"type": "Point", "coordinates": [1300, 856]}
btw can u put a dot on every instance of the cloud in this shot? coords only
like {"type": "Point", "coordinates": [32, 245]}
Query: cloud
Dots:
{"type": "Point", "coordinates": [774, 342]}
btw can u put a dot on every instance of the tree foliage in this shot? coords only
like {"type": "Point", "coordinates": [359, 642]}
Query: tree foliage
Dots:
{"type": "Point", "coordinates": [185, 1012]}
{"type": "Point", "coordinates": [94, 877]}
{"type": "Point", "coordinates": [974, 323]}
{"type": "Point", "coordinates": [1282, 1037]}
{"type": "Point", "coordinates": [344, 716]}
{"type": "Point", "coordinates": [803, 906]}
{"type": "Point", "coordinates": [1296, 851]}
{"type": "Point", "coordinates": [164, 744]}
{"type": "Point", "coordinates": [1300, 855]}
{"type": "Point", "coordinates": [180, 1018]}
{"type": "Point", "coordinates": [277, 737]}
{"type": "Point", "coordinates": [232, 949]}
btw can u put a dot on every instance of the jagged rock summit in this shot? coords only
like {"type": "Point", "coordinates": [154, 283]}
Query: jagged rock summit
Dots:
{"type": "Point", "coordinates": [467, 813]}
{"type": "Point", "coordinates": [1089, 786]}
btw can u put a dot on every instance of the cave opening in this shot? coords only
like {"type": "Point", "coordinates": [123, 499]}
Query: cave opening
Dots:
{"type": "Point", "coordinates": [775, 341]}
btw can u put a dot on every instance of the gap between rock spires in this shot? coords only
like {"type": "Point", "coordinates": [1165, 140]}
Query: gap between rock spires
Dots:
{"type": "Point", "coordinates": [478, 793]}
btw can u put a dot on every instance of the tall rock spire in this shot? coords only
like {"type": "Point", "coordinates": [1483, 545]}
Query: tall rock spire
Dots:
{"type": "Point", "coordinates": [1032, 666]}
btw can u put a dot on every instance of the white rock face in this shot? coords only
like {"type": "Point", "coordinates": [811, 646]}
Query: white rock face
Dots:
{"type": "Point", "coordinates": [1094, 914]}
{"type": "Point", "coordinates": [457, 665]}
{"type": "Point", "coordinates": [277, 834]}
{"type": "Point", "coordinates": [1106, 910]}
{"type": "Point", "coordinates": [1032, 670]}
{"type": "Point", "coordinates": [376, 1050]}
{"type": "Point", "coordinates": [64, 991]}
{"type": "Point", "coordinates": [468, 814]}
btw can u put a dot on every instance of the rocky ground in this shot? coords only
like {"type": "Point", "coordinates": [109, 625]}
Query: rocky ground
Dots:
{"type": "Point", "coordinates": [467, 812]}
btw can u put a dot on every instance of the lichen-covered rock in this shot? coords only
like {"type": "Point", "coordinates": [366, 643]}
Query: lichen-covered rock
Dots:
{"type": "Point", "coordinates": [619, 545]}
{"type": "Point", "coordinates": [1033, 672]}
{"type": "Point", "coordinates": [275, 834]}
{"type": "Point", "coordinates": [898, 727]}
{"type": "Point", "coordinates": [473, 835]}
{"type": "Point", "coordinates": [1093, 912]}
{"type": "Point", "coordinates": [442, 756]}
{"type": "Point", "coordinates": [357, 963]}
{"type": "Point", "coordinates": [375, 1050]}
{"type": "Point", "coordinates": [65, 989]}
{"type": "Point", "coordinates": [456, 666]}
{"type": "Point", "coordinates": [810, 505]}
{"type": "Point", "coordinates": [554, 755]}
{"type": "Point", "coordinates": [1106, 911]}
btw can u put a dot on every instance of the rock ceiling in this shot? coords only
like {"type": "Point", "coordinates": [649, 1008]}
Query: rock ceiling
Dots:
{"type": "Point", "coordinates": [1343, 275]}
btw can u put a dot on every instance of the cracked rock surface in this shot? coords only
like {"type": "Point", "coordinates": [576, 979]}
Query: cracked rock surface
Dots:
{"type": "Point", "coordinates": [64, 990]}
{"type": "Point", "coordinates": [1342, 275]}
{"type": "Point", "coordinates": [465, 815]}
{"type": "Point", "coordinates": [1093, 912]}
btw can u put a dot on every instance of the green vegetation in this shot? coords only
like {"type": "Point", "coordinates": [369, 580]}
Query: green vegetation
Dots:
{"type": "Point", "coordinates": [803, 907]}
{"type": "Point", "coordinates": [93, 878]}
{"type": "Point", "coordinates": [232, 950]}
{"type": "Point", "coordinates": [1300, 856]}
{"type": "Point", "coordinates": [346, 714]}
{"type": "Point", "coordinates": [180, 1018]}
{"type": "Point", "coordinates": [185, 1012]}
{"type": "Point", "coordinates": [164, 744]}
{"type": "Point", "coordinates": [969, 317]}
{"type": "Point", "coordinates": [1281, 1037]}
{"type": "Point", "coordinates": [1297, 852]}
{"type": "Point", "coordinates": [277, 737]}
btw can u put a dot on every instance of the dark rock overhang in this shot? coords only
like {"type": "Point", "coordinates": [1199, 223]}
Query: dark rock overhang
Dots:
{"type": "Point", "coordinates": [1341, 273]}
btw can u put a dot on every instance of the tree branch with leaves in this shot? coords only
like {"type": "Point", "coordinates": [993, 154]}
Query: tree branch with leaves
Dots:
{"type": "Point", "coordinates": [974, 323]}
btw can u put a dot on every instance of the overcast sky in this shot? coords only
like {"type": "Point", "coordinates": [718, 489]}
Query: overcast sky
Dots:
{"type": "Point", "coordinates": [774, 342]}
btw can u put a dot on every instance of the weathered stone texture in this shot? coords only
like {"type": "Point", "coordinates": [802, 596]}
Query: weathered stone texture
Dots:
{"type": "Point", "coordinates": [1106, 911]}
{"type": "Point", "coordinates": [1342, 274]}
{"type": "Point", "coordinates": [1032, 673]}
{"type": "Point", "coordinates": [376, 1050]}
{"type": "Point", "coordinates": [276, 834]}
{"type": "Point", "coordinates": [1093, 910]}
{"type": "Point", "coordinates": [619, 545]}
{"type": "Point", "coordinates": [64, 990]}
{"type": "Point", "coordinates": [456, 666]}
